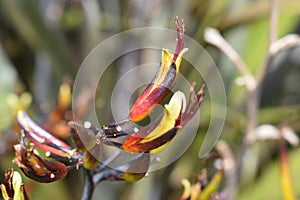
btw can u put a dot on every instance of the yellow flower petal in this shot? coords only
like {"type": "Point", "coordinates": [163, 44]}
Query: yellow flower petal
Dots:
{"type": "Point", "coordinates": [17, 185]}
{"type": "Point", "coordinates": [156, 139]}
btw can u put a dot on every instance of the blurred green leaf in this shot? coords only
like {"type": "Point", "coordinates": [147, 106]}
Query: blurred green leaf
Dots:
{"type": "Point", "coordinates": [267, 185]}
{"type": "Point", "coordinates": [57, 190]}
{"type": "Point", "coordinates": [8, 80]}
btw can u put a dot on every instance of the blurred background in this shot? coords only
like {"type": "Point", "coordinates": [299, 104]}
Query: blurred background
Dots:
{"type": "Point", "coordinates": [43, 43]}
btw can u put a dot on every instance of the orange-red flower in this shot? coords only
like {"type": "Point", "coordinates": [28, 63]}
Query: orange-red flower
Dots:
{"type": "Point", "coordinates": [163, 81]}
{"type": "Point", "coordinates": [160, 133]}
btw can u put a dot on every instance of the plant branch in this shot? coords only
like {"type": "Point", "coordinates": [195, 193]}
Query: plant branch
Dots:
{"type": "Point", "coordinates": [274, 13]}
{"type": "Point", "coordinates": [230, 166]}
{"type": "Point", "coordinates": [284, 43]}
{"type": "Point", "coordinates": [255, 96]}
{"type": "Point", "coordinates": [275, 47]}
{"type": "Point", "coordinates": [273, 21]}
{"type": "Point", "coordinates": [253, 85]}
{"type": "Point", "coordinates": [213, 36]}
{"type": "Point", "coordinates": [88, 188]}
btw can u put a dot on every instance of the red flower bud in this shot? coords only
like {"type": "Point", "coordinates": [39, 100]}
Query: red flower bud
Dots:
{"type": "Point", "coordinates": [41, 138]}
{"type": "Point", "coordinates": [36, 168]}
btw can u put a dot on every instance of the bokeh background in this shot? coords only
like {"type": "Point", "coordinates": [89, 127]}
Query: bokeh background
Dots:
{"type": "Point", "coordinates": [43, 43]}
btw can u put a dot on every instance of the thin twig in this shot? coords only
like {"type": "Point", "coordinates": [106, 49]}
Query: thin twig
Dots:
{"type": "Point", "coordinates": [229, 163]}
{"type": "Point", "coordinates": [252, 109]}
{"type": "Point", "coordinates": [255, 96]}
{"type": "Point", "coordinates": [88, 188]}
{"type": "Point", "coordinates": [108, 174]}
{"type": "Point", "coordinates": [273, 29]}
{"type": "Point", "coordinates": [90, 177]}
{"type": "Point", "coordinates": [274, 13]}
{"type": "Point", "coordinates": [214, 37]}
{"type": "Point", "coordinates": [284, 43]}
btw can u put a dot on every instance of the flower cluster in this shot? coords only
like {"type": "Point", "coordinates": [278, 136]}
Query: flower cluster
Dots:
{"type": "Point", "coordinates": [143, 142]}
